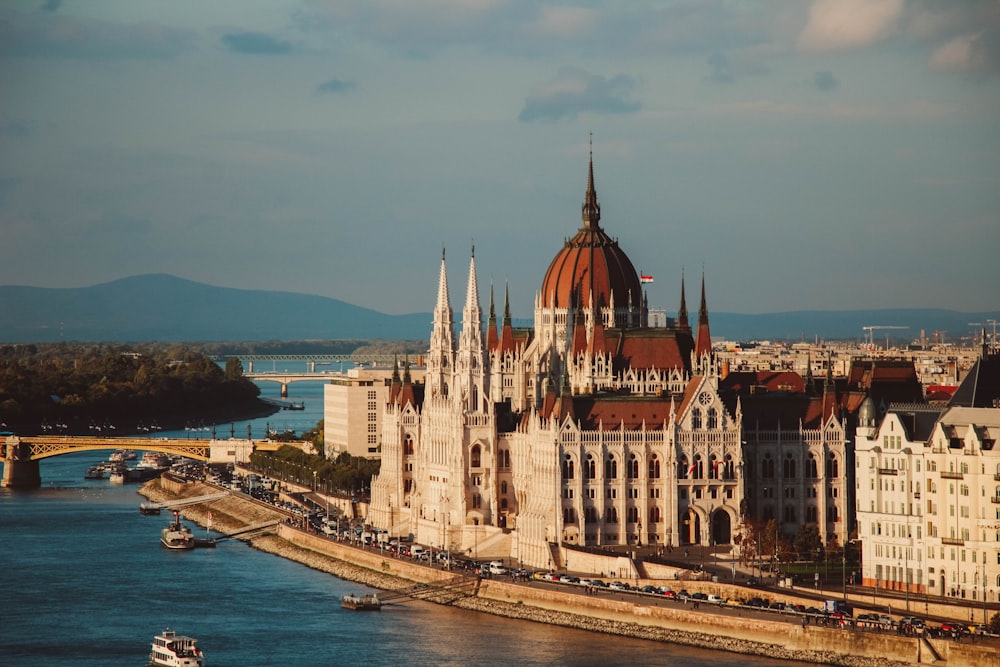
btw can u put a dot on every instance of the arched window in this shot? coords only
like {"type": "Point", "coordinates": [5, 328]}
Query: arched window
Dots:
{"type": "Point", "coordinates": [590, 468]}
{"type": "Point", "coordinates": [590, 514]}
{"type": "Point", "coordinates": [503, 503]}
{"type": "Point", "coordinates": [654, 467]}
{"type": "Point", "coordinates": [730, 467]}
{"type": "Point", "coordinates": [633, 467]}
{"type": "Point", "coordinates": [476, 458]}
{"type": "Point", "coordinates": [506, 458]}
{"type": "Point", "coordinates": [569, 516]}
{"type": "Point", "coordinates": [832, 514]}
{"type": "Point", "coordinates": [768, 512]}
{"type": "Point", "coordinates": [713, 467]}
{"type": "Point", "coordinates": [611, 467]}
{"type": "Point", "coordinates": [477, 500]}
{"type": "Point", "coordinates": [654, 514]}
{"type": "Point", "coordinates": [711, 419]}
{"type": "Point", "coordinates": [767, 467]}
{"type": "Point", "coordinates": [408, 445]}
{"type": "Point", "coordinates": [811, 469]}
{"type": "Point", "coordinates": [788, 467]}
{"type": "Point", "coordinates": [683, 468]}
{"type": "Point", "coordinates": [811, 514]}
{"type": "Point", "coordinates": [699, 468]}
{"type": "Point", "coordinates": [633, 514]}
{"type": "Point", "coordinates": [789, 514]}
{"type": "Point", "coordinates": [568, 468]}
{"type": "Point", "coordinates": [503, 487]}
{"type": "Point", "coordinates": [611, 515]}
{"type": "Point", "coordinates": [475, 397]}
{"type": "Point", "coordinates": [695, 418]}
{"type": "Point", "coordinates": [832, 467]}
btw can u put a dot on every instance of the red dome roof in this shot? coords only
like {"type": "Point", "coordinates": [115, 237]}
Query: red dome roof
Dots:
{"type": "Point", "coordinates": [591, 263]}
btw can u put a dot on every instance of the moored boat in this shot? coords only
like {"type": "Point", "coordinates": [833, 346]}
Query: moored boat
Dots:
{"type": "Point", "coordinates": [170, 649]}
{"type": "Point", "coordinates": [176, 535]}
{"type": "Point", "coordinates": [368, 602]}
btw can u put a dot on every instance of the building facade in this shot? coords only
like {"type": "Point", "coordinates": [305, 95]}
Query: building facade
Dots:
{"type": "Point", "coordinates": [928, 498]}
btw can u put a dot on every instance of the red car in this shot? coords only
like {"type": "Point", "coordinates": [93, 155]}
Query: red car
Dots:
{"type": "Point", "coordinates": [670, 594]}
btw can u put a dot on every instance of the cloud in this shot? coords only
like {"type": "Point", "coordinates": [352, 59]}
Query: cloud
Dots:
{"type": "Point", "coordinates": [826, 81]}
{"type": "Point", "coordinates": [51, 5]}
{"type": "Point", "coordinates": [255, 43]}
{"type": "Point", "coordinates": [565, 22]}
{"type": "Point", "coordinates": [336, 86]}
{"type": "Point", "coordinates": [728, 70]}
{"type": "Point", "coordinates": [836, 25]}
{"type": "Point", "coordinates": [977, 53]}
{"type": "Point", "coordinates": [574, 91]}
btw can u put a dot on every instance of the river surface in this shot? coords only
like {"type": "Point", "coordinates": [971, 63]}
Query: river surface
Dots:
{"type": "Point", "coordinates": [86, 583]}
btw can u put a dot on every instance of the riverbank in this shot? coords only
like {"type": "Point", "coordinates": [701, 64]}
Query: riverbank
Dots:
{"type": "Point", "coordinates": [609, 615]}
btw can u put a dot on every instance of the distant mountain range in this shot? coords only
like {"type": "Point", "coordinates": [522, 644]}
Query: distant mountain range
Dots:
{"type": "Point", "coordinates": [160, 307]}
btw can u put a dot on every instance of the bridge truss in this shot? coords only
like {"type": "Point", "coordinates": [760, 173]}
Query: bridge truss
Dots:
{"type": "Point", "coordinates": [43, 447]}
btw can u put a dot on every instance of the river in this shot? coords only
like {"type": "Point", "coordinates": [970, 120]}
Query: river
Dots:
{"type": "Point", "coordinates": [85, 583]}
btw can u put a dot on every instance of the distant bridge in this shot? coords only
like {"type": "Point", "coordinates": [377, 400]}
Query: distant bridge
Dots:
{"type": "Point", "coordinates": [21, 454]}
{"type": "Point", "coordinates": [313, 360]}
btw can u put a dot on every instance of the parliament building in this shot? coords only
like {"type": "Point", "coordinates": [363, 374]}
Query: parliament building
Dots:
{"type": "Point", "coordinates": [593, 428]}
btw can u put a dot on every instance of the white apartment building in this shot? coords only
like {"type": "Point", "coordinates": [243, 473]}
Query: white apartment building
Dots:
{"type": "Point", "coordinates": [928, 500]}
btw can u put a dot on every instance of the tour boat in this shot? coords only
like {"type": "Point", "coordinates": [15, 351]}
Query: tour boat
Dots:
{"type": "Point", "coordinates": [369, 602]}
{"type": "Point", "coordinates": [173, 650]}
{"type": "Point", "coordinates": [177, 535]}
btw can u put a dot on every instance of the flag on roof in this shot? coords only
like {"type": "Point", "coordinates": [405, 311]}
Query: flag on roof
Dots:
{"type": "Point", "coordinates": [645, 279]}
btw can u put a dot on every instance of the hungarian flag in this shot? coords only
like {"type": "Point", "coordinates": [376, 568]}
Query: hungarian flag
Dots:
{"type": "Point", "coordinates": [645, 279]}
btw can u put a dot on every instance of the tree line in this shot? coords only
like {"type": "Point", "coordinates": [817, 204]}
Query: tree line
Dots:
{"type": "Point", "coordinates": [73, 387]}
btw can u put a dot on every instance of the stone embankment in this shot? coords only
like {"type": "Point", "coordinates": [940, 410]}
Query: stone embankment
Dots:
{"type": "Point", "coordinates": [614, 617]}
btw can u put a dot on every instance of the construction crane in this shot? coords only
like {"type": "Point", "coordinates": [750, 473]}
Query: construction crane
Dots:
{"type": "Point", "coordinates": [872, 329]}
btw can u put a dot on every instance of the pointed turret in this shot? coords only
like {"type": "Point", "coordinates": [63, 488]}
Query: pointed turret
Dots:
{"type": "Point", "coordinates": [682, 312]}
{"type": "Point", "coordinates": [441, 356]}
{"type": "Point", "coordinates": [469, 363]}
{"type": "Point", "coordinates": [591, 211]}
{"type": "Point", "coordinates": [703, 339]}
{"type": "Point", "coordinates": [507, 329]}
{"type": "Point", "coordinates": [492, 339]}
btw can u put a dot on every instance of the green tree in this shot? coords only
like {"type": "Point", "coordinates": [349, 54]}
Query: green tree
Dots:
{"type": "Point", "coordinates": [808, 544]}
{"type": "Point", "coordinates": [234, 369]}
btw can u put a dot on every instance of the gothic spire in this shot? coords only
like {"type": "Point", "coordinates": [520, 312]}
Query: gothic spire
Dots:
{"type": "Point", "coordinates": [682, 313]}
{"type": "Point", "coordinates": [591, 211]}
{"type": "Point", "coordinates": [703, 339]}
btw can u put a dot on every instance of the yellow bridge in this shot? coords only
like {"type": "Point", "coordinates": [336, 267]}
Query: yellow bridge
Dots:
{"type": "Point", "coordinates": [21, 454]}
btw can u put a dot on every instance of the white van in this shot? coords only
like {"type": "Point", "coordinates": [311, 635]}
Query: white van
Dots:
{"type": "Point", "coordinates": [715, 599]}
{"type": "Point", "coordinates": [496, 567]}
{"type": "Point", "coordinates": [417, 551]}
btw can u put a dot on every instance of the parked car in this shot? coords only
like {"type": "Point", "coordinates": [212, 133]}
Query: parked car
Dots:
{"type": "Point", "coordinates": [617, 586]}
{"type": "Point", "coordinates": [714, 599]}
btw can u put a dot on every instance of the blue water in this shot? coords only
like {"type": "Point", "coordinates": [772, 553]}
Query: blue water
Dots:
{"type": "Point", "coordinates": [84, 582]}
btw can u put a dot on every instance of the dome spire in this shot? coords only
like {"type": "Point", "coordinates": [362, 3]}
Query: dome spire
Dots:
{"type": "Point", "coordinates": [591, 211]}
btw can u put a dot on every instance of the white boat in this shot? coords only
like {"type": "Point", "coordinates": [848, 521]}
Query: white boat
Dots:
{"type": "Point", "coordinates": [176, 535]}
{"type": "Point", "coordinates": [173, 650]}
{"type": "Point", "coordinates": [153, 460]}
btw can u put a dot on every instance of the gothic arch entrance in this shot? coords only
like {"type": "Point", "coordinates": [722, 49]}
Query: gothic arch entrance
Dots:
{"type": "Point", "coordinates": [691, 528]}
{"type": "Point", "coordinates": [721, 527]}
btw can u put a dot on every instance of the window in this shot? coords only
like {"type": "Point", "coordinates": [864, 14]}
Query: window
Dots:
{"type": "Point", "coordinates": [633, 467]}
{"type": "Point", "coordinates": [695, 418]}
{"type": "Point", "coordinates": [699, 468]}
{"type": "Point", "coordinates": [568, 468]}
{"type": "Point", "coordinates": [632, 514]}
{"type": "Point", "coordinates": [767, 467]}
{"type": "Point", "coordinates": [569, 516]}
{"type": "Point", "coordinates": [832, 467]}
{"type": "Point", "coordinates": [611, 515]}
{"type": "Point", "coordinates": [408, 445]}
{"type": "Point", "coordinates": [654, 515]}
{"type": "Point", "coordinates": [590, 514]}
{"type": "Point", "coordinates": [476, 458]}
{"type": "Point", "coordinates": [811, 469]}
{"type": "Point", "coordinates": [477, 501]}
{"type": "Point", "coordinates": [611, 467]}
{"type": "Point", "coordinates": [503, 487]}
{"type": "Point", "coordinates": [788, 467]}
{"type": "Point", "coordinates": [789, 514]}
{"type": "Point", "coordinates": [590, 471]}
{"type": "Point", "coordinates": [712, 419]}
{"type": "Point", "coordinates": [654, 467]}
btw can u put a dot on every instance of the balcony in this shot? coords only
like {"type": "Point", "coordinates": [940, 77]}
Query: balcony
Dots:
{"type": "Point", "coordinates": [995, 500]}
{"type": "Point", "coordinates": [996, 477]}
{"type": "Point", "coordinates": [954, 541]}
{"type": "Point", "coordinates": [887, 471]}
{"type": "Point", "coordinates": [950, 475]}
{"type": "Point", "coordinates": [916, 496]}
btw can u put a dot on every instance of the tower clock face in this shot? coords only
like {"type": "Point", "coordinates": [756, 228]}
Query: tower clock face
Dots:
{"type": "Point", "coordinates": [704, 398]}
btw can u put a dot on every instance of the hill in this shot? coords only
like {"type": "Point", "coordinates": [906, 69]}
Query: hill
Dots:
{"type": "Point", "coordinates": [167, 308]}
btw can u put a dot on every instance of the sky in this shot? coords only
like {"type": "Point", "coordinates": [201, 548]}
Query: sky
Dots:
{"type": "Point", "coordinates": [821, 155]}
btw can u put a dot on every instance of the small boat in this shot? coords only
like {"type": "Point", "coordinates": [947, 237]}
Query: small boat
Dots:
{"type": "Point", "coordinates": [149, 510]}
{"type": "Point", "coordinates": [176, 535]}
{"type": "Point", "coordinates": [173, 650]}
{"type": "Point", "coordinates": [95, 472]}
{"type": "Point", "coordinates": [368, 602]}
{"type": "Point", "coordinates": [296, 405]}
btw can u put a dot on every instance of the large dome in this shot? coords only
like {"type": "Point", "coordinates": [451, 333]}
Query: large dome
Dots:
{"type": "Point", "coordinates": [591, 263]}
